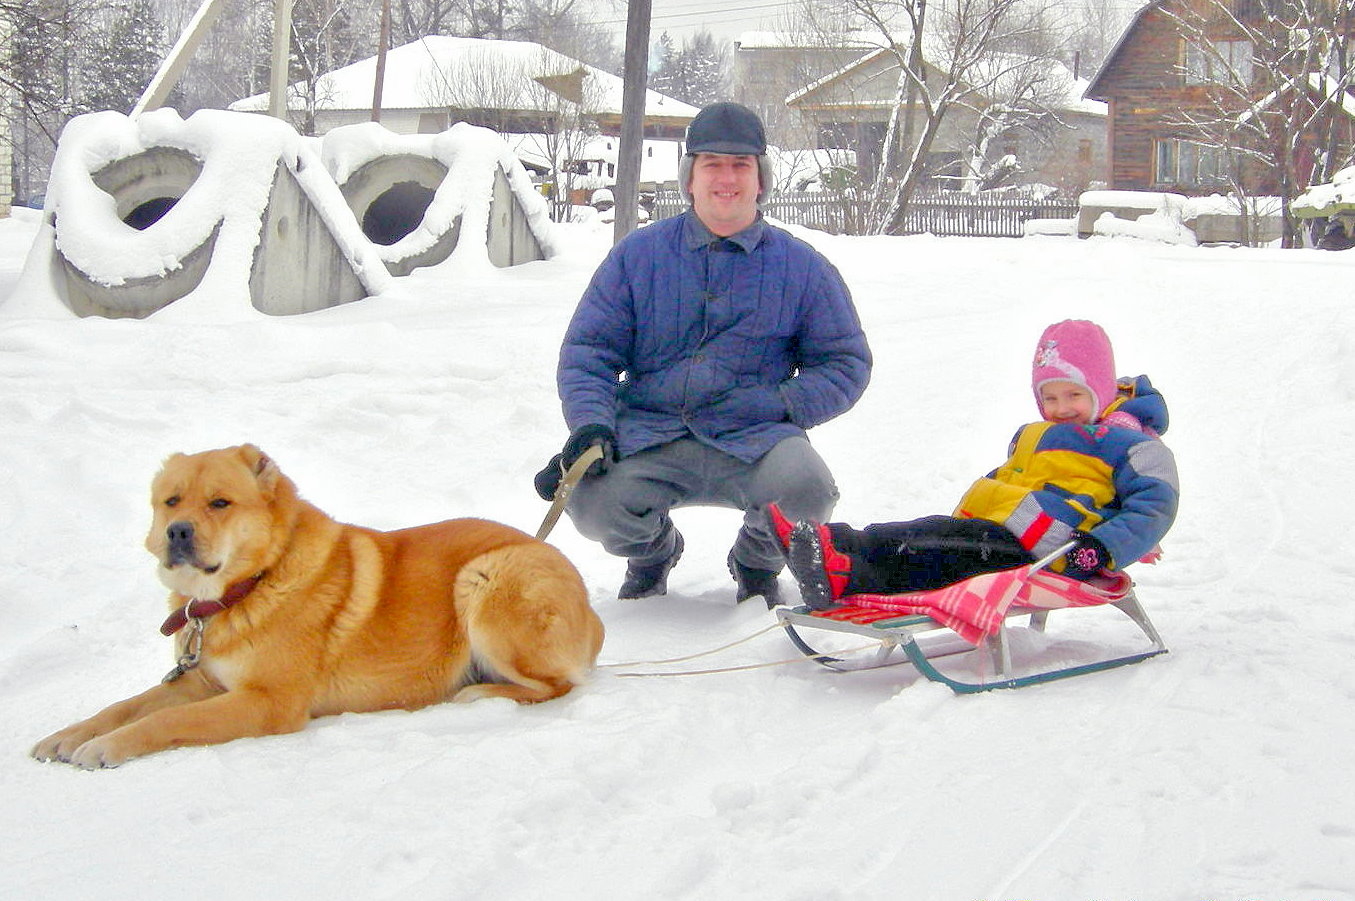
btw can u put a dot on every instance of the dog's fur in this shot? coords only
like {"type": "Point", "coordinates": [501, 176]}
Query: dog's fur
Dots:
{"type": "Point", "coordinates": [343, 618]}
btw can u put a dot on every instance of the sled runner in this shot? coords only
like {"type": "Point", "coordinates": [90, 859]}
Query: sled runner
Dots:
{"type": "Point", "coordinates": [974, 613]}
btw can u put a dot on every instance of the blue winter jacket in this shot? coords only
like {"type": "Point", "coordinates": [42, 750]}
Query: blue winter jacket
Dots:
{"type": "Point", "coordinates": [741, 342]}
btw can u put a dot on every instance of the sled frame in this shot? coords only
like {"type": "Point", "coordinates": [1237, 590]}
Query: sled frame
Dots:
{"type": "Point", "coordinates": [921, 639]}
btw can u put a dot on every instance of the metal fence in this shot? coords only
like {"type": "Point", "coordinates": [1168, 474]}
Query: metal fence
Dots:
{"type": "Point", "coordinates": [993, 215]}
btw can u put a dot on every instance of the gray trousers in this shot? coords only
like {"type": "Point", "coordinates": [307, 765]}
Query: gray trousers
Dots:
{"type": "Point", "coordinates": [626, 508]}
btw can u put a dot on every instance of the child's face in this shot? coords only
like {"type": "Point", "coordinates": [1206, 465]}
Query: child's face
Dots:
{"type": "Point", "coordinates": [1066, 402]}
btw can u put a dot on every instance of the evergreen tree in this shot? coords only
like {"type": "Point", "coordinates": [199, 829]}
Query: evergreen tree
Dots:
{"type": "Point", "coordinates": [695, 74]}
{"type": "Point", "coordinates": [702, 70]}
{"type": "Point", "coordinates": [123, 58]}
{"type": "Point", "coordinates": [663, 65]}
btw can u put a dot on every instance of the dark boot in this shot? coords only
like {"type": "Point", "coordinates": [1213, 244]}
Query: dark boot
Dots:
{"type": "Point", "coordinates": [651, 580]}
{"type": "Point", "coordinates": [751, 582]}
{"type": "Point", "coordinates": [819, 568]}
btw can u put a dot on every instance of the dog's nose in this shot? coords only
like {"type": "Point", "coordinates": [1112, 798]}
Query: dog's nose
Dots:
{"type": "Point", "coordinates": [180, 535]}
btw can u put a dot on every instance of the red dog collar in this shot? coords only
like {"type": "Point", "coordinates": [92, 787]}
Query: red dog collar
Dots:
{"type": "Point", "coordinates": [202, 609]}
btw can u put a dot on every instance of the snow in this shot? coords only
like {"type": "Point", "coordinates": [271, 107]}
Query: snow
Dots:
{"type": "Point", "coordinates": [1220, 770]}
{"type": "Point", "coordinates": [1329, 197]}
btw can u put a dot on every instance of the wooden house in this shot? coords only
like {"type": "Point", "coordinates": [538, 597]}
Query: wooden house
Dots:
{"type": "Point", "coordinates": [1155, 81]}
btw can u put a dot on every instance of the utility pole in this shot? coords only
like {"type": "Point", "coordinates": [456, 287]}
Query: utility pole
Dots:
{"type": "Point", "coordinates": [282, 56]}
{"type": "Point", "coordinates": [635, 80]}
{"type": "Point", "coordinates": [385, 40]}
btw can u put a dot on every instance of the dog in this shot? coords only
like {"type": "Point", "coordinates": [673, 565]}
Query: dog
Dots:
{"type": "Point", "coordinates": [281, 614]}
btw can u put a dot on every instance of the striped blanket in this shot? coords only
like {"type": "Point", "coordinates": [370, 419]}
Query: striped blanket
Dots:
{"type": "Point", "coordinates": [975, 607]}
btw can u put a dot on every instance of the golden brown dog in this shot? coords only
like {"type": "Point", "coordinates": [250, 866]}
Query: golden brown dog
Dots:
{"type": "Point", "coordinates": [282, 614]}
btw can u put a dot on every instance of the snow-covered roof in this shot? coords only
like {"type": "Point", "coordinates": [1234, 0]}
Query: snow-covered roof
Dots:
{"type": "Point", "coordinates": [440, 71]}
{"type": "Point", "coordinates": [1069, 89]}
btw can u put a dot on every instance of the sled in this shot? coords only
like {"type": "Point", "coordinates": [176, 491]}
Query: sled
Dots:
{"type": "Point", "coordinates": [974, 614]}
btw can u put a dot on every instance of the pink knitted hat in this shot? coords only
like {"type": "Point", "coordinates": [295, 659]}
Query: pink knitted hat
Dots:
{"type": "Point", "coordinates": [1077, 351]}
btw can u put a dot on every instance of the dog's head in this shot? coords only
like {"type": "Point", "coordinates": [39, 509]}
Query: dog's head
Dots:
{"type": "Point", "coordinates": [217, 518]}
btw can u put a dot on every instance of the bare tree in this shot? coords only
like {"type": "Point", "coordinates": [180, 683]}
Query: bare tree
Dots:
{"type": "Point", "coordinates": [232, 59]}
{"type": "Point", "coordinates": [549, 102]}
{"type": "Point", "coordinates": [948, 55]}
{"type": "Point", "coordinates": [566, 26]}
{"type": "Point", "coordinates": [1272, 77]}
{"type": "Point", "coordinates": [1097, 25]}
{"type": "Point", "coordinates": [326, 35]}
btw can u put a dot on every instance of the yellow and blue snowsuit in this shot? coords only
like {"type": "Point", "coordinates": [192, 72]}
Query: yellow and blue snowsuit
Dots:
{"type": "Point", "coordinates": [1117, 484]}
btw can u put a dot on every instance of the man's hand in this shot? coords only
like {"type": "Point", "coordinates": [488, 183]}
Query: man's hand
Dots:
{"type": "Point", "coordinates": [584, 437]}
{"type": "Point", "coordinates": [547, 481]}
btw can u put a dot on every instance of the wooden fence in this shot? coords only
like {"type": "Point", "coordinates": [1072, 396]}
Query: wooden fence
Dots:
{"type": "Point", "coordinates": [995, 215]}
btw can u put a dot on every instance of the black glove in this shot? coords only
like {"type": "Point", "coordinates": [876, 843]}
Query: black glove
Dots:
{"type": "Point", "coordinates": [1086, 557]}
{"type": "Point", "coordinates": [547, 481]}
{"type": "Point", "coordinates": [584, 437]}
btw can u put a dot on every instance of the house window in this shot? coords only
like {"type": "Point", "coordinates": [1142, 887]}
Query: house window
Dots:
{"type": "Point", "coordinates": [1188, 164]}
{"type": "Point", "coordinates": [1228, 62]}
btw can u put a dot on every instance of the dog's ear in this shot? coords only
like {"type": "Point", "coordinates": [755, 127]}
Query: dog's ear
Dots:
{"type": "Point", "coordinates": [262, 465]}
{"type": "Point", "coordinates": [170, 459]}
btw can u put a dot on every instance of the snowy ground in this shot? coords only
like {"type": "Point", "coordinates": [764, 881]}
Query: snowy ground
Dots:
{"type": "Point", "coordinates": [1220, 771]}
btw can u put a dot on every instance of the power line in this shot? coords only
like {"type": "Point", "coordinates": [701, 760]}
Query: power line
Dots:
{"type": "Point", "coordinates": [723, 14]}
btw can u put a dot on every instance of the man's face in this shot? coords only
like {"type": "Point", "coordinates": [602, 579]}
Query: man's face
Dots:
{"type": "Point", "coordinates": [724, 191]}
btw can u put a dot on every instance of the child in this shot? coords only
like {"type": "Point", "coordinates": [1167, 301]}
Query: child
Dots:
{"type": "Point", "coordinates": [1092, 473]}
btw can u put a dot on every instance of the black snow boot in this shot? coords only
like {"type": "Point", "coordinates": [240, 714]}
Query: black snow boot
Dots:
{"type": "Point", "coordinates": [651, 580]}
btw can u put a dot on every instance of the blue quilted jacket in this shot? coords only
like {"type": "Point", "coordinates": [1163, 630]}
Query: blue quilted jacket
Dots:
{"type": "Point", "coordinates": [741, 342]}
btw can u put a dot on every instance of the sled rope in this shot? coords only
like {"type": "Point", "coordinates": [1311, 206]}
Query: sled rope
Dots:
{"type": "Point", "coordinates": [571, 478]}
{"type": "Point", "coordinates": [747, 666]}
{"type": "Point", "coordinates": [727, 669]}
{"type": "Point", "coordinates": [685, 658]}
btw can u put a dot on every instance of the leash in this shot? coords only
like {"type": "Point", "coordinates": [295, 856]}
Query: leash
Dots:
{"type": "Point", "coordinates": [557, 507]}
{"type": "Point", "coordinates": [571, 478]}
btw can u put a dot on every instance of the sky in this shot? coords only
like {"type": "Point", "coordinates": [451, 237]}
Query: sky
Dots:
{"type": "Point", "coordinates": [1217, 771]}
{"type": "Point", "coordinates": [725, 19]}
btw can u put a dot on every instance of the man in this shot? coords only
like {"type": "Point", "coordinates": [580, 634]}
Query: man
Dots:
{"type": "Point", "coordinates": [702, 350]}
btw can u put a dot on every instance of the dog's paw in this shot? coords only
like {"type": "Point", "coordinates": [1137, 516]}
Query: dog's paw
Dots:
{"type": "Point", "coordinates": [98, 753]}
{"type": "Point", "coordinates": [61, 745]}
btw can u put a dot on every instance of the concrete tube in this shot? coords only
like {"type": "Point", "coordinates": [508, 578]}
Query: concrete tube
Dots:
{"type": "Point", "coordinates": [144, 187]}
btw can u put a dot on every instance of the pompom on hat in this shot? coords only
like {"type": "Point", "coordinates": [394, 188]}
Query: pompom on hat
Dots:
{"type": "Point", "coordinates": [1076, 351]}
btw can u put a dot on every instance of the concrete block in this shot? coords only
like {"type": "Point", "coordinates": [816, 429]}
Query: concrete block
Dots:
{"type": "Point", "coordinates": [422, 198]}
{"type": "Point", "coordinates": [145, 211]}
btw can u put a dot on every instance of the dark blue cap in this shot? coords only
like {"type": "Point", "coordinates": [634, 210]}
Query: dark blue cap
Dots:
{"type": "Point", "coordinates": [728, 128]}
